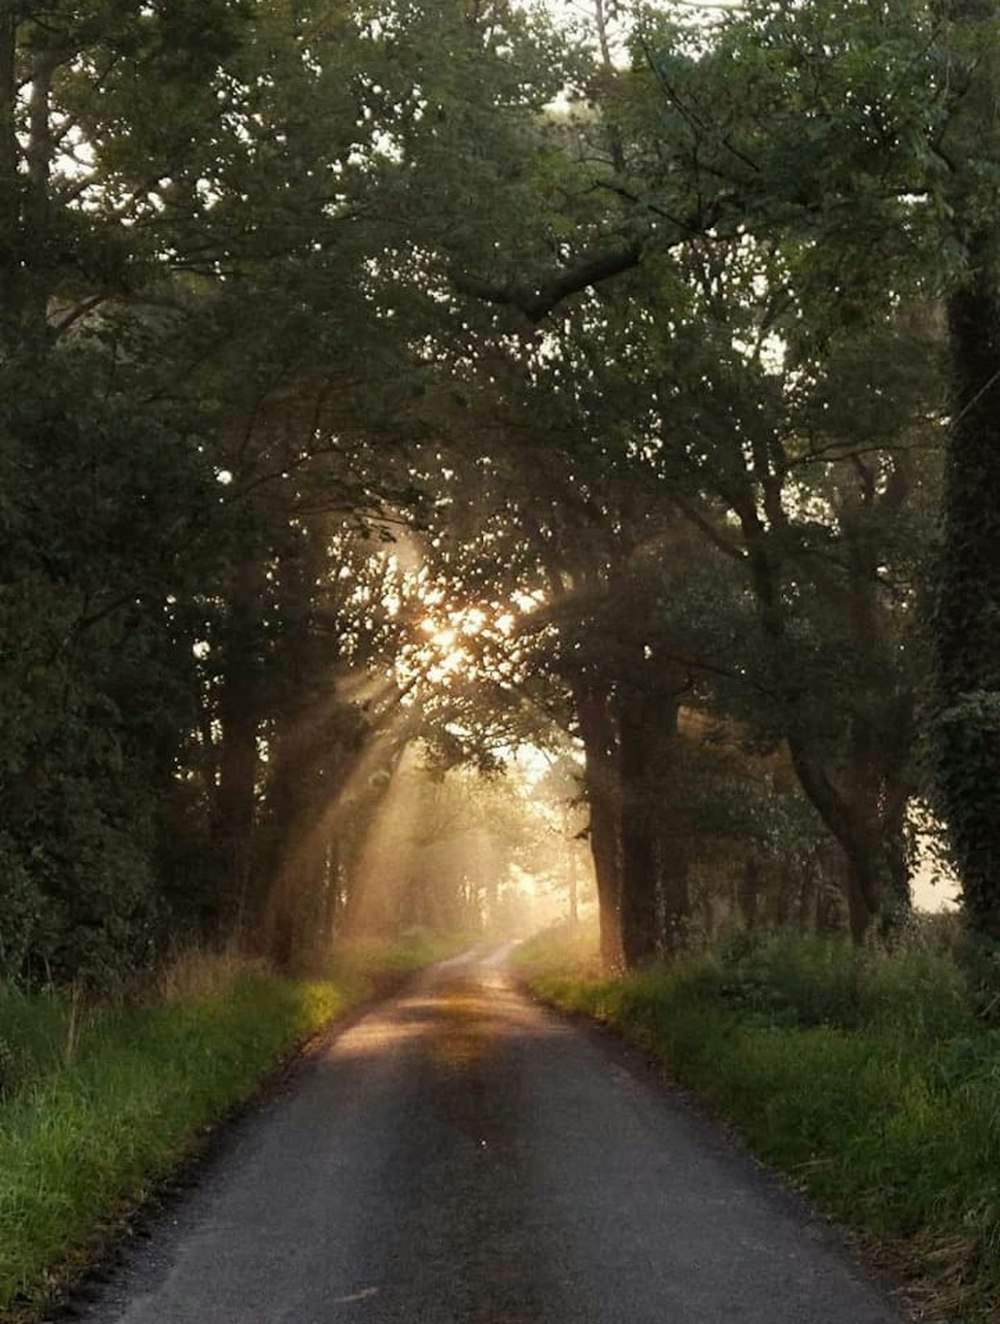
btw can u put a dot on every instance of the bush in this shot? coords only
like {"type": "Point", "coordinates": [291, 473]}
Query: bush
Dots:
{"type": "Point", "coordinates": [817, 981]}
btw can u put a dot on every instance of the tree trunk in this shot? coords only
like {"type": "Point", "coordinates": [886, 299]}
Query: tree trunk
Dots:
{"type": "Point", "coordinates": [601, 778]}
{"type": "Point", "coordinates": [672, 855]}
{"type": "Point", "coordinates": [808, 901]}
{"type": "Point", "coordinates": [966, 727]}
{"type": "Point", "coordinates": [639, 732]}
{"type": "Point", "coordinates": [870, 879]}
{"type": "Point", "coordinates": [854, 818]}
{"type": "Point", "coordinates": [639, 919]}
{"type": "Point", "coordinates": [574, 912]}
{"type": "Point", "coordinates": [239, 703]}
{"type": "Point", "coordinates": [877, 780]}
{"type": "Point", "coordinates": [37, 194]}
{"type": "Point", "coordinates": [859, 913]}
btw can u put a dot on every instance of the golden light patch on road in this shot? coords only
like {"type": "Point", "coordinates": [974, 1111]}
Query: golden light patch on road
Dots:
{"type": "Point", "coordinates": [465, 1033]}
{"type": "Point", "coordinates": [378, 1034]}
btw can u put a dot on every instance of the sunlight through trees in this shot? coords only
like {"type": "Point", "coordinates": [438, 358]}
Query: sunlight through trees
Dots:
{"type": "Point", "coordinates": [392, 389]}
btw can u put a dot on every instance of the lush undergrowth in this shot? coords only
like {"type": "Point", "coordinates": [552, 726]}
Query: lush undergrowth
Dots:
{"type": "Point", "coordinates": [870, 1078]}
{"type": "Point", "coordinates": [99, 1102]}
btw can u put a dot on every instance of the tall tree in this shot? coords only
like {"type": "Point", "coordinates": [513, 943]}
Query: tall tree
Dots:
{"type": "Point", "coordinates": [967, 627]}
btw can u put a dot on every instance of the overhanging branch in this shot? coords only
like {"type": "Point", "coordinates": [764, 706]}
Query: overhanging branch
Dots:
{"type": "Point", "coordinates": [538, 300]}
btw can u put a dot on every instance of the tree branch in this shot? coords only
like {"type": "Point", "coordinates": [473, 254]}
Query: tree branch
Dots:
{"type": "Point", "coordinates": [717, 539]}
{"type": "Point", "coordinates": [537, 301]}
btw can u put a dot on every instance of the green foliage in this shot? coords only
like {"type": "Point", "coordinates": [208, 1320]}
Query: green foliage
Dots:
{"type": "Point", "coordinates": [864, 1075]}
{"type": "Point", "coordinates": [814, 981]}
{"type": "Point", "coordinates": [97, 680]}
{"type": "Point", "coordinates": [39, 1034]}
{"type": "Point", "coordinates": [187, 301]}
{"type": "Point", "coordinates": [22, 904]}
{"type": "Point", "coordinates": [282, 299]}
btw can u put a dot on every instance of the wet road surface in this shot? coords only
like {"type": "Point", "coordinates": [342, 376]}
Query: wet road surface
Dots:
{"type": "Point", "coordinates": [462, 1156]}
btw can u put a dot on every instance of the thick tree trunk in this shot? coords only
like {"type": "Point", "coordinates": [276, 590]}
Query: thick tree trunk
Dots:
{"type": "Point", "coordinates": [967, 723]}
{"type": "Point", "coordinates": [809, 887]}
{"type": "Point", "coordinates": [236, 796]}
{"type": "Point", "coordinates": [597, 731]}
{"type": "Point", "coordinates": [645, 720]}
{"type": "Point", "coordinates": [27, 255]}
{"type": "Point", "coordinates": [293, 865]}
{"type": "Point", "coordinates": [673, 859]}
{"type": "Point", "coordinates": [37, 195]}
{"type": "Point", "coordinates": [859, 912]}
{"type": "Point", "coordinates": [639, 917]}
{"type": "Point", "coordinates": [603, 797]}
{"type": "Point", "coordinates": [877, 781]}
{"type": "Point", "coordinates": [674, 920]}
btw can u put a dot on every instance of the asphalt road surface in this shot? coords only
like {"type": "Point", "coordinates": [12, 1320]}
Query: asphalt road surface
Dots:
{"type": "Point", "coordinates": [462, 1156]}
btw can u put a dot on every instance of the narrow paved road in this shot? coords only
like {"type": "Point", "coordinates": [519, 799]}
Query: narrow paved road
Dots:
{"type": "Point", "coordinates": [460, 1156]}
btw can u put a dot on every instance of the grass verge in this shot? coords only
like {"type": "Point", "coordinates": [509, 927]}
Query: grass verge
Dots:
{"type": "Point", "coordinates": [99, 1104]}
{"type": "Point", "coordinates": [866, 1077]}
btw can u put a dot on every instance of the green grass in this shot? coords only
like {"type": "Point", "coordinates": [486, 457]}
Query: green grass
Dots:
{"type": "Point", "coordinates": [98, 1104]}
{"type": "Point", "coordinates": [412, 950]}
{"type": "Point", "coordinates": [865, 1076]}
{"type": "Point", "coordinates": [34, 1031]}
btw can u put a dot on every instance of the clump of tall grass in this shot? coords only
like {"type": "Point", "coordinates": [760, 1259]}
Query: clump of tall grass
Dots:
{"type": "Point", "coordinates": [821, 981]}
{"type": "Point", "coordinates": [204, 973]}
{"type": "Point", "coordinates": [38, 1033]}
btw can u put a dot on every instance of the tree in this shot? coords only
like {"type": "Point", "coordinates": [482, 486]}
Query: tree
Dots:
{"type": "Point", "coordinates": [198, 321]}
{"type": "Point", "coordinates": [967, 722]}
{"type": "Point", "coordinates": [740, 231]}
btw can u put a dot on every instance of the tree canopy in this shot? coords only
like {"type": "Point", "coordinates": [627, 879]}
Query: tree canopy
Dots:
{"type": "Point", "coordinates": [388, 388]}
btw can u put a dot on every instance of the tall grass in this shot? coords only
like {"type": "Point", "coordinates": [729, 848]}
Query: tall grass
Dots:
{"type": "Point", "coordinates": [867, 1076]}
{"type": "Point", "coordinates": [34, 1036]}
{"type": "Point", "coordinates": [98, 1103]}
